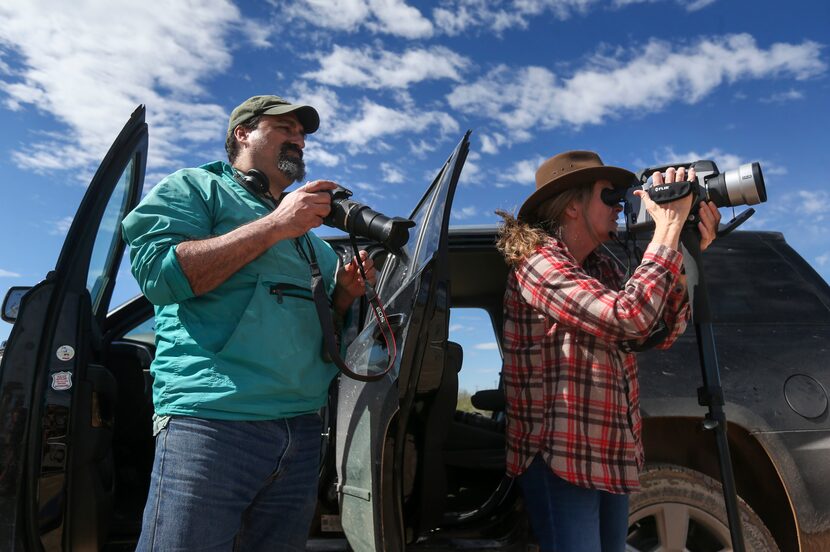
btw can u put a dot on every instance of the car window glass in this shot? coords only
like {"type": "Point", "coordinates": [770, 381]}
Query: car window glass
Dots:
{"type": "Point", "coordinates": [108, 238]}
{"type": "Point", "coordinates": [425, 236]}
{"type": "Point", "coordinates": [431, 229]}
{"type": "Point", "coordinates": [126, 286]}
{"type": "Point", "coordinates": [400, 266]}
{"type": "Point", "coordinates": [472, 328]}
{"type": "Point", "coordinates": [144, 332]}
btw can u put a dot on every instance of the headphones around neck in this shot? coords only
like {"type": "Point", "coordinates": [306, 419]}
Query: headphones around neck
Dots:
{"type": "Point", "coordinates": [254, 180]}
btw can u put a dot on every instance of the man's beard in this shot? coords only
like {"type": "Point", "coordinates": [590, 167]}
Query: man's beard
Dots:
{"type": "Point", "coordinates": [290, 163]}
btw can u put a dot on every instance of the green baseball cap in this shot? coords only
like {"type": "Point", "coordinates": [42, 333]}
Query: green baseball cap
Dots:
{"type": "Point", "coordinates": [273, 105]}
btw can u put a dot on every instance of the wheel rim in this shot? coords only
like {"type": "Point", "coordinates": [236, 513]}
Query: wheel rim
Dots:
{"type": "Point", "coordinates": [676, 527]}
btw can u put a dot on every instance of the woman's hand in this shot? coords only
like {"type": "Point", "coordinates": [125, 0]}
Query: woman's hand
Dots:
{"type": "Point", "coordinates": [708, 225]}
{"type": "Point", "coordinates": [669, 218]}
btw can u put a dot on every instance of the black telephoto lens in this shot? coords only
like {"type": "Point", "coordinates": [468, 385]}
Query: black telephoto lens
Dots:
{"type": "Point", "coordinates": [360, 220]}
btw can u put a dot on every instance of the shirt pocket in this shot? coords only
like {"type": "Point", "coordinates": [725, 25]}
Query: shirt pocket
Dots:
{"type": "Point", "coordinates": [279, 322]}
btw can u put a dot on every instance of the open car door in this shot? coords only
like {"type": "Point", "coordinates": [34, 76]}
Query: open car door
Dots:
{"type": "Point", "coordinates": [381, 455]}
{"type": "Point", "coordinates": [56, 400]}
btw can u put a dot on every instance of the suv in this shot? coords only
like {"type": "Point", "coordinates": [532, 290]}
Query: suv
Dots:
{"type": "Point", "coordinates": [401, 465]}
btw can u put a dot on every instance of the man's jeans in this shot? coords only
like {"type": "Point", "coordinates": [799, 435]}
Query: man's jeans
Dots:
{"type": "Point", "coordinates": [567, 518]}
{"type": "Point", "coordinates": [220, 485]}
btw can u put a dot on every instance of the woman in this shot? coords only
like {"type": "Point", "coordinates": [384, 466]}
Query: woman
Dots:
{"type": "Point", "coordinates": [573, 419]}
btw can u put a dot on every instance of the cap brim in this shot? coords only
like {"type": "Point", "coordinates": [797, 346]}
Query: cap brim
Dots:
{"type": "Point", "coordinates": [306, 114]}
{"type": "Point", "coordinates": [619, 178]}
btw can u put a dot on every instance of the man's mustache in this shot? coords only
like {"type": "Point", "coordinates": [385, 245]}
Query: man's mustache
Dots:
{"type": "Point", "coordinates": [292, 148]}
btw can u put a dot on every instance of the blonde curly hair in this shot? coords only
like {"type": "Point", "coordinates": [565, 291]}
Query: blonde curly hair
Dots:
{"type": "Point", "coordinates": [517, 239]}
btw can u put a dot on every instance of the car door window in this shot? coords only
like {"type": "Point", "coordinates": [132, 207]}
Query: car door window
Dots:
{"type": "Point", "coordinates": [472, 328]}
{"type": "Point", "coordinates": [414, 289]}
{"type": "Point", "coordinates": [144, 332]}
{"type": "Point", "coordinates": [107, 238]}
{"type": "Point", "coordinates": [423, 238]}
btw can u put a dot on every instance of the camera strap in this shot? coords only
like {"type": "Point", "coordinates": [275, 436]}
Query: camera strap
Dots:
{"type": "Point", "coordinates": [331, 341]}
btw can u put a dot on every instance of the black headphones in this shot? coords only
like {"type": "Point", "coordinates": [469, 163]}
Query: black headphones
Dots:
{"type": "Point", "coordinates": [254, 180]}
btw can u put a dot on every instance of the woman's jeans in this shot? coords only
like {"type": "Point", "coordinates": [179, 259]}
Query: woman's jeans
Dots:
{"type": "Point", "coordinates": [567, 518]}
{"type": "Point", "coordinates": [221, 485]}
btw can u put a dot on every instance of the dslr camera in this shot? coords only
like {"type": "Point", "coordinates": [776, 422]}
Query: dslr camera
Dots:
{"type": "Point", "coordinates": [741, 186]}
{"type": "Point", "coordinates": [360, 220]}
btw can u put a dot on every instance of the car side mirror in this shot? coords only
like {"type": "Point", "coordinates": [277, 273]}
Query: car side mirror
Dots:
{"type": "Point", "coordinates": [11, 304]}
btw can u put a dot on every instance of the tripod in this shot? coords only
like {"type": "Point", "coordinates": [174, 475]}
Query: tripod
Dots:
{"type": "Point", "coordinates": [711, 393]}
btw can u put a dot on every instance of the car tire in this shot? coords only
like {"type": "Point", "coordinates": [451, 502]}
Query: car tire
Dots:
{"type": "Point", "coordinates": [681, 509]}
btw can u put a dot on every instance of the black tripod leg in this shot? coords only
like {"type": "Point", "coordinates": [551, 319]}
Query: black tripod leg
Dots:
{"type": "Point", "coordinates": [711, 393]}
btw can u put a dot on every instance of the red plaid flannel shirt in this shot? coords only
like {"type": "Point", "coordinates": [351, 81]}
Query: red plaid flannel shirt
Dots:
{"type": "Point", "coordinates": [572, 391]}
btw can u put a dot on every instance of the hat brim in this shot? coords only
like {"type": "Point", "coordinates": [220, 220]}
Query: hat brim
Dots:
{"type": "Point", "coordinates": [619, 178]}
{"type": "Point", "coordinates": [306, 114]}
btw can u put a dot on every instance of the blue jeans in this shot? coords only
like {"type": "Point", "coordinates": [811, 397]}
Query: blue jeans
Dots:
{"type": "Point", "coordinates": [567, 518]}
{"type": "Point", "coordinates": [220, 485]}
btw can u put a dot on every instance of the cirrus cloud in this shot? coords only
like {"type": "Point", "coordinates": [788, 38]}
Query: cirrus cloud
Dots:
{"type": "Point", "coordinates": [90, 80]}
{"type": "Point", "coordinates": [376, 69]}
{"type": "Point", "coordinates": [534, 96]}
{"type": "Point", "coordinates": [393, 17]}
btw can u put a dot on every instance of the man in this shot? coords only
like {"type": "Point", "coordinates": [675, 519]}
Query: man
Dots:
{"type": "Point", "coordinates": [223, 254]}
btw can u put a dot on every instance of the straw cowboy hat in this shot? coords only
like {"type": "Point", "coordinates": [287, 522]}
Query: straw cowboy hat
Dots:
{"type": "Point", "coordinates": [567, 170]}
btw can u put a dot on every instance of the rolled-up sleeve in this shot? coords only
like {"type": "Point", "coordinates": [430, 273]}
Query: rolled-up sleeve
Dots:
{"type": "Point", "coordinates": [173, 212]}
{"type": "Point", "coordinates": [676, 314]}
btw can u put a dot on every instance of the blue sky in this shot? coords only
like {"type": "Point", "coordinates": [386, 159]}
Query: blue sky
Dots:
{"type": "Point", "coordinates": [397, 83]}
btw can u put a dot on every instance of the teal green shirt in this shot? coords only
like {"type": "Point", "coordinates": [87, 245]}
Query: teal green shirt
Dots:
{"type": "Point", "coordinates": [249, 349]}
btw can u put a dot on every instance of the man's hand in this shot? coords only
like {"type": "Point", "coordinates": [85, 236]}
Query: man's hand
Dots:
{"type": "Point", "coordinates": [303, 209]}
{"type": "Point", "coordinates": [350, 283]}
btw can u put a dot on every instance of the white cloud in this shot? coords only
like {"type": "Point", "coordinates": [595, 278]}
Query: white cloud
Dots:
{"type": "Point", "coordinates": [725, 161]}
{"type": "Point", "coordinates": [8, 274]}
{"type": "Point", "coordinates": [324, 100]}
{"type": "Point", "coordinates": [315, 153]}
{"type": "Point", "coordinates": [342, 15]}
{"type": "Point", "coordinates": [823, 260]}
{"type": "Point", "coordinates": [421, 147]}
{"type": "Point", "coordinates": [463, 213]}
{"type": "Point", "coordinates": [523, 171]}
{"type": "Point", "coordinates": [397, 18]}
{"type": "Point", "coordinates": [492, 346]}
{"type": "Point", "coordinates": [802, 215]}
{"type": "Point", "coordinates": [532, 96]}
{"type": "Point", "coordinates": [786, 96]}
{"type": "Point", "coordinates": [88, 68]}
{"type": "Point", "coordinates": [376, 69]}
{"type": "Point", "coordinates": [340, 125]}
{"type": "Point", "coordinates": [813, 203]}
{"type": "Point", "coordinates": [391, 174]}
{"type": "Point", "coordinates": [492, 143]}
{"type": "Point", "coordinates": [457, 16]}
{"type": "Point", "coordinates": [374, 191]}
{"type": "Point", "coordinates": [377, 120]}
{"type": "Point", "coordinates": [61, 227]}
{"type": "Point", "coordinates": [689, 5]}
{"type": "Point", "coordinates": [394, 17]}
{"type": "Point", "coordinates": [695, 5]}
{"type": "Point", "coordinates": [471, 172]}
